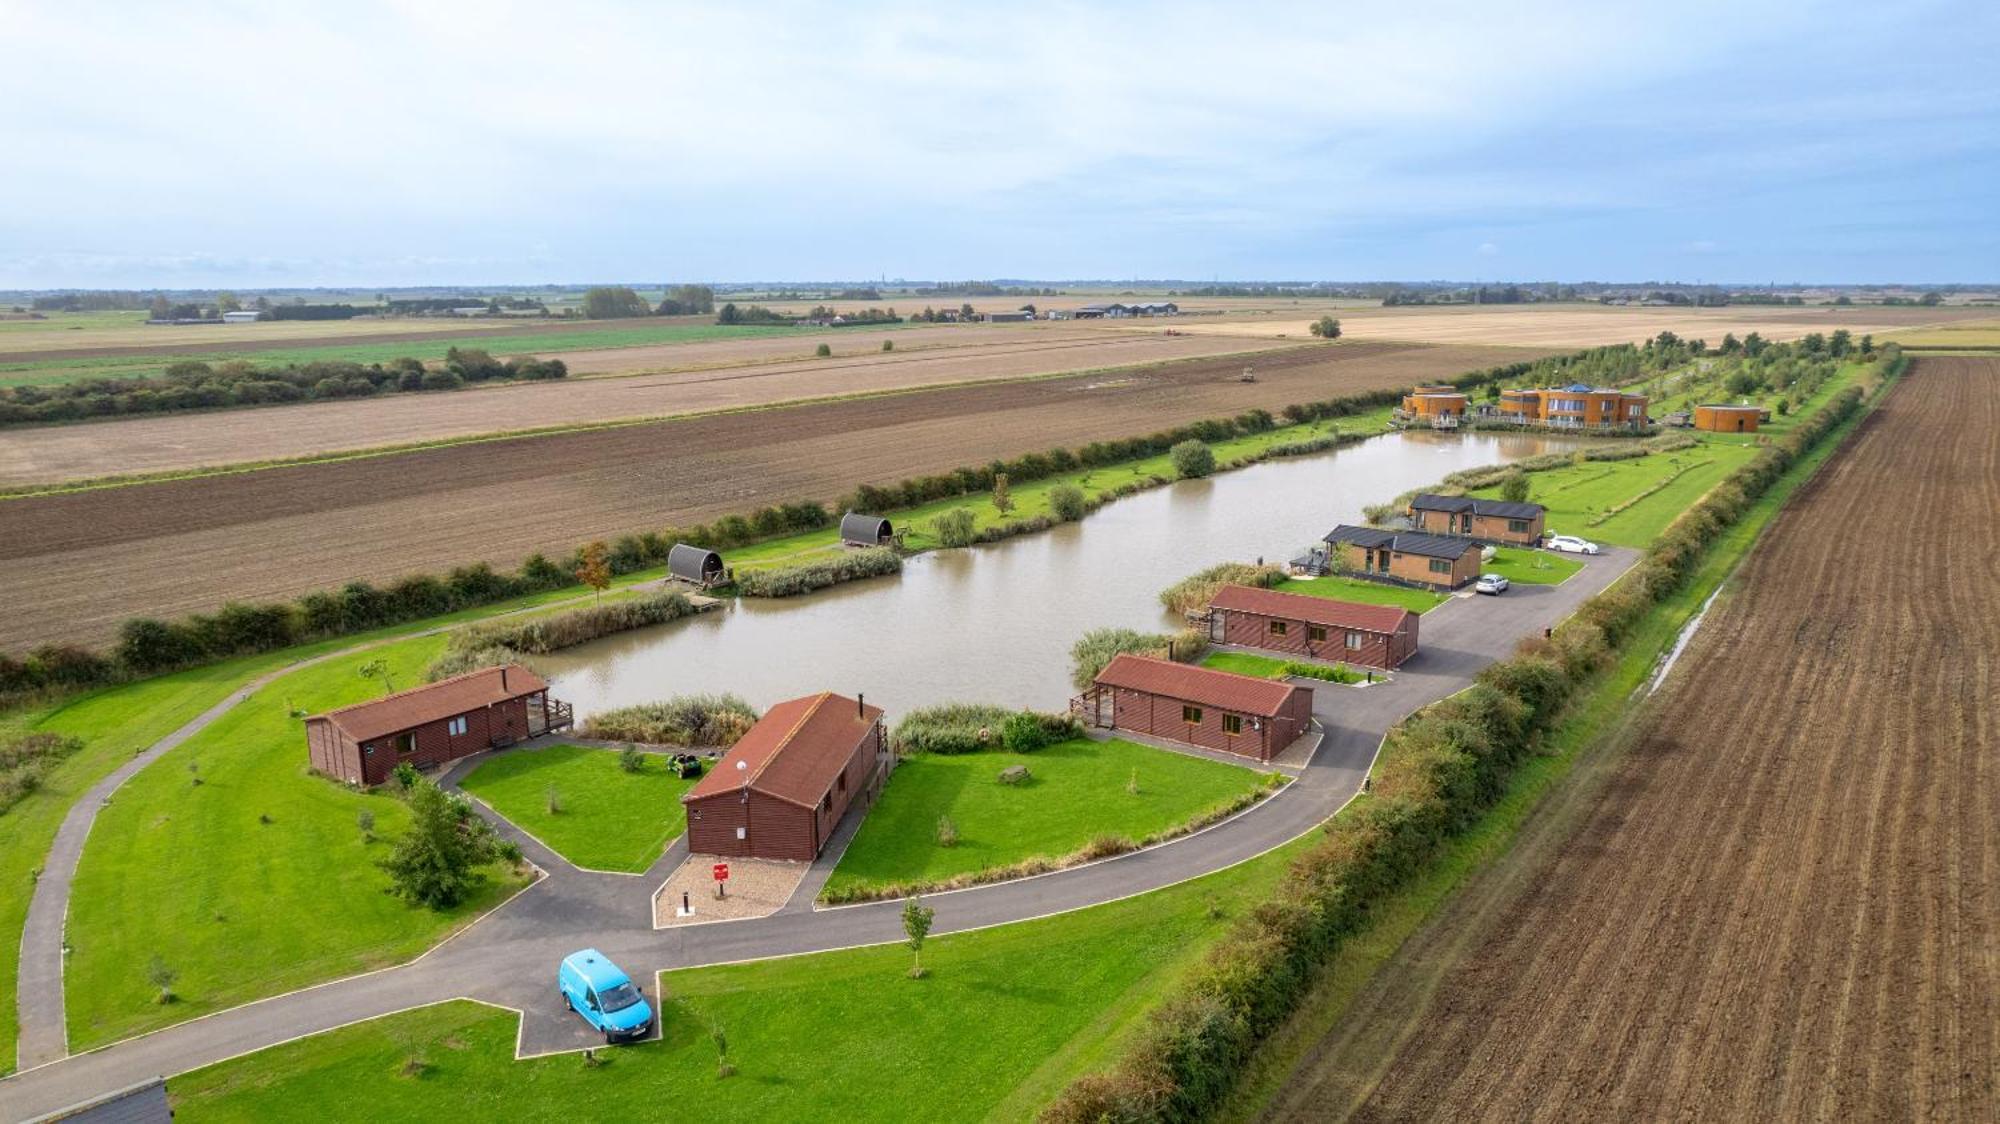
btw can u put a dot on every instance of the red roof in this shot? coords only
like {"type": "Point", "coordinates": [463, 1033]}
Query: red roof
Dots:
{"type": "Point", "coordinates": [1314, 610]}
{"type": "Point", "coordinates": [434, 702]}
{"type": "Point", "coordinates": [794, 752]}
{"type": "Point", "coordinates": [1224, 690]}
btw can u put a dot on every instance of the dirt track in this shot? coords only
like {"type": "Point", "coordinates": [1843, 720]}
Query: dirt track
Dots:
{"type": "Point", "coordinates": [1785, 902]}
{"type": "Point", "coordinates": [937, 356]}
{"type": "Point", "coordinates": [75, 565]}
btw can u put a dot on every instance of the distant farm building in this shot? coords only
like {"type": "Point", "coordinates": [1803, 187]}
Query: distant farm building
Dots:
{"type": "Point", "coordinates": [1317, 628]}
{"type": "Point", "coordinates": [242, 316]}
{"type": "Point", "coordinates": [1728, 419]}
{"type": "Point", "coordinates": [857, 529]}
{"type": "Point", "coordinates": [1018, 317]}
{"type": "Point", "coordinates": [1406, 557]}
{"type": "Point", "coordinates": [1576, 406]}
{"type": "Point", "coordinates": [433, 724]}
{"type": "Point", "coordinates": [1487, 520]}
{"type": "Point", "coordinates": [698, 566]}
{"type": "Point", "coordinates": [1197, 706]}
{"type": "Point", "coordinates": [781, 790]}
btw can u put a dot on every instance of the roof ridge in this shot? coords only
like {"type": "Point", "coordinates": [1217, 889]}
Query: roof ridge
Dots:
{"type": "Point", "coordinates": [778, 746]}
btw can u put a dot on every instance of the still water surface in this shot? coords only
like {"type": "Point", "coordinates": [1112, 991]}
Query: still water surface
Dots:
{"type": "Point", "coordinates": [994, 623]}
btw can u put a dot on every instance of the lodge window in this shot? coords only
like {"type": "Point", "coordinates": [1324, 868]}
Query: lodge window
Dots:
{"type": "Point", "coordinates": [1315, 632]}
{"type": "Point", "coordinates": [1440, 566]}
{"type": "Point", "coordinates": [406, 743]}
{"type": "Point", "coordinates": [1232, 724]}
{"type": "Point", "coordinates": [826, 803]}
{"type": "Point", "coordinates": [1517, 526]}
{"type": "Point", "coordinates": [841, 781]}
{"type": "Point", "coordinates": [455, 727]}
{"type": "Point", "coordinates": [1191, 714]}
{"type": "Point", "coordinates": [1354, 641]}
{"type": "Point", "coordinates": [1278, 628]}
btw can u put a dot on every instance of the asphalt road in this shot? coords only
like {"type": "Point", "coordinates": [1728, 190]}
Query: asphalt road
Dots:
{"type": "Point", "coordinates": [509, 957]}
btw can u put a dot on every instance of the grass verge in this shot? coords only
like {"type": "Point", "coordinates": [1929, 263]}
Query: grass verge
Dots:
{"type": "Point", "coordinates": [1339, 588]}
{"type": "Point", "coordinates": [584, 805]}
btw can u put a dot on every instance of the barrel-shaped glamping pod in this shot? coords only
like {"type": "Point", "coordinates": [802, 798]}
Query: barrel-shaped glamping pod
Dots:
{"type": "Point", "coordinates": [696, 565]}
{"type": "Point", "coordinates": [857, 529]}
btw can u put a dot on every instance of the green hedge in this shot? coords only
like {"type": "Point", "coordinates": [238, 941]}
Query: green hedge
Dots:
{"type": "Point", "coordinates": [1442, 769]}
{"type": "Point", "coordinates": [790, 581]}
{"type": "Point", "coordinates": [688, 720]}
{"type": "Point", "coordinates": [952, 728]}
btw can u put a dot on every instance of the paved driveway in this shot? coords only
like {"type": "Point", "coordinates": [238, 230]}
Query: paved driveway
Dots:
{"type": "Point", "coordinates": [509, 957]}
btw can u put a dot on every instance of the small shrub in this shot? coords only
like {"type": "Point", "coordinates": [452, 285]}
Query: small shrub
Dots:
{"type": "Point", "coordinates": [553, 801]}
{"type": "Point", "coordinates": [1192, 459]}
{"type": "Point", "coordinates": [1132, 783]}
{"type": "Point", "coordinates": [162, 978]}
{"type": "Point", "coordinates": [823, 351]}
{"type": "Point", "coordinates": [957, 527]}
{"type": "Point", "coordinates": [365, 820]}
{"type": "Point", "coordinates": [1514, 489]}
{"type": "Point", "coordinates": [888, 345]}
{"type": "Point", "coordinates": [265, 819]}
{"type": "Point", "coordinates": [1025, 732]}
{"type": "Point", "coordinates": [406, 775]}
{"type": "Point", "coordinates": [631, 760]}
{"type": "Point", "coordinates": [1068, 502]}
{"type": "Point", "coordinates": [947, 832]}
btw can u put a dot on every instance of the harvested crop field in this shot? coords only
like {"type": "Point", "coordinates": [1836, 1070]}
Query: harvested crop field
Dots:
{"type": "Point", "coordinates": [1784, 901]}
{"type": "Point", "coordinates": [1585, 325]}
{"type": "Point", "coordinates": [75, 564]}
{"type": "Point", "coordinates": [165, 443]}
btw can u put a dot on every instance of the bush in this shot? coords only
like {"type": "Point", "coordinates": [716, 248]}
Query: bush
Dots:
{"type": "Point", "coordinates": [1068, 502]}
{"type": "Point", "coordinates": [1096, 648]}
{"type": "Point", "coordinates": [631, 760]}
{"type": "Point", "coordinates": [947, 832]}
{"type": "Point", "coordinates": [1192, 459]}
{"type": "Point", "coordinates": [26, 759]}
{"type": "Point", "coordinates": [1196, 590]}
{"type": "Point", "coordinates": [957, 527]}
{"type": "Point", "coordinates": [873, 562]}
{"type": "Point", "coordinates": [555, 631]}
{"type": "Point", "coordinates": [953, 728]}
{"type": "Point", "coordinates": [685, 720]}
{"type": "Point", "coordinates": [1514, 489]}
{"type": "Point", "coordinates": [458, 661]}
{"type": "Point", "coordinates": [822, 351]}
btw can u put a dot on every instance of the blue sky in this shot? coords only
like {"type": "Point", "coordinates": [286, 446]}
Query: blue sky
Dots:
{"type": "Point", "coordinates": [275, 144]}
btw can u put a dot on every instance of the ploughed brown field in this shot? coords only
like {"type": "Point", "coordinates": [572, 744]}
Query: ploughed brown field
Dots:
{"type": "Point", "coordinates": [1784, 904]}
{"type": "Point", "coordinates": [695, 377]}
{"type": "Point", "coordinates": [75, 564]}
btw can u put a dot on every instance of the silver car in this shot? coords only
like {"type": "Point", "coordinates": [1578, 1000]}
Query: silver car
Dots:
{"type": "Point", "coordinates": [1495, 584]}
{"type": "Point", "coordinates": [1570, 544]}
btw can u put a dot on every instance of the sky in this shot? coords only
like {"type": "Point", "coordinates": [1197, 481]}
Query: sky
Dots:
{"type": "Point", "coordinates": [424, 142]}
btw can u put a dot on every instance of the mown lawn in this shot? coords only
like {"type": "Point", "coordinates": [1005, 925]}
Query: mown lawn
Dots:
{"type": "Point", "coordinates": [1336, 587]}
{"type": "Point", "coordinates": [1004, 1019]}
{"type": "Point", "coordinates": [1077, 792]}
{"type": "Point", "coordinates": [242, 871]}
{"type": "Point", "coordinates": [608, 819]}
{"type": "Point", "coordinates": [1531, 567]}
{"type": "Point", "coordinates": [1630, 502]}
{"type": "Point", "coordinates": [1243, 663]}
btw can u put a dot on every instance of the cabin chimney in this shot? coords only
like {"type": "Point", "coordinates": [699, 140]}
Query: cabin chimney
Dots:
{"type": "Point", "coordinates": [503, 676]}
{"type": "Point", "coordinates": [860, 705]}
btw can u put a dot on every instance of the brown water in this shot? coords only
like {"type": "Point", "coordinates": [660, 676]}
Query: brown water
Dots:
{"type": "Point", "coordinates": [994, 623]}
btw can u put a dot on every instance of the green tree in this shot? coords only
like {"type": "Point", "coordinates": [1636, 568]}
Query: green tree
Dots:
{"type": "Point", "coordinates": [378, 669]}
{"type": "Point", "coordinates": [160, 309]}
{"type": "Point", "coordinates": [1931, 300]}
{"type": "Point", "coordinates": [823, 351]}
{"type": "Point", "coordinates": [1326, 328]}
{"type": "Point", "coordinates": [227, 302]}
{"type": "Point", "coordinates": [162, 978]}
{"type": "Point", "coordinates": [1192, 459]}
{"type": "Point", "coordinates": [1003, 496]}
{"type": "Point", "coordinates": [956, 527]}
{"type": "Point", "coordinates": [730, 314]}
{"type": "Point", "coordinates": [613, 302]}
{"type": "Point", "coordinates": [1068, 502]}
{"type": "Point", "coordinates": [436, 863]}
{"type": "Point", "coordinates": [916, 926]}
{"type": "Point", "coordinates": [1514, 489]}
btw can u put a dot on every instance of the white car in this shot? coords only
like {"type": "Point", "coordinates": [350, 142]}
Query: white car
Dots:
{"type": "Point", "coordinates": [1570, 544]}
{"type": "Point", "coordinates": [1494, 584]}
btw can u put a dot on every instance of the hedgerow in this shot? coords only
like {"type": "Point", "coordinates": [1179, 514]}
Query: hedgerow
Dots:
{"type": "Point", "coordinates": [952, 728]}
{"type": "Point", "coordinates": [687, 720]}
{"type": "Point", "coordinates": [790, 581]}
{"type": "Point", "coordinates": [1197, 589]}
{"type": "Point", "coordinates": [1442, 768]}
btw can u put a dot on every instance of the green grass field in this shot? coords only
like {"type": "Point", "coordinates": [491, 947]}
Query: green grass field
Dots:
{"type": "Point", "coordinates": [1531, 567]}
{"type": "Point", "coordinates": [1243, 663]}
{"type": "Point", "coordinates": [1646, 493]}
{"type": "Point", "coordinates": [1077, 793]}
{"type": "Point", "coordinates": [1004, 1019]}
{"type": "Point", "coordinates": [238, 906]}
{"type": "Point", "coordinates": [609, 819]}
{"type": "Point", "coordinates": [1336, 587]}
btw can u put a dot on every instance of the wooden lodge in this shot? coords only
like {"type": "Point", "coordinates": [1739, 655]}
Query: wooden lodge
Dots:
{"type": "Point", "coordinates": [1406, 557]}
{"type": "Point", "coordinates": [698, 566]}
{"type": "Point", "coordinates": [1728, 419]}
{"type": "Point", "coordinates": [781, 789]}
{"type": "Point", "coordinates": [433, 724]}
{"type": "Point", "coordinates": [857, 529]}
{"type": "Point", "coordinates": [1196, 706]}
{"type": "Point", "coordinates": [1315, 628]}
{"type": "Point", "coordinates": [1502, 521]}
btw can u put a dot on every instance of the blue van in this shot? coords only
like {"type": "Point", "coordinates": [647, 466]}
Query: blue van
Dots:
{"type": "Point", "coordinates": [595, 988]}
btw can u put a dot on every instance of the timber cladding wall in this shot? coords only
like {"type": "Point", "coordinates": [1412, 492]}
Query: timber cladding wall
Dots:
{"type": "Point", "coordinates": [1198, 706]}
{"type": "Point", "coordinates": [1412, 567]}
{"type": "Point", "coordinates": [1489, 528]}
{"type": "Point", "coordinates": [426, 726]}
{"type": "Point", "coordinates": [1315, 628]}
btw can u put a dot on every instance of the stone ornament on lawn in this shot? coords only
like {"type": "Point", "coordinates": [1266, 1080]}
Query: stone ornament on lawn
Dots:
{"type": "Point", "coordinates": [1014, 774]}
